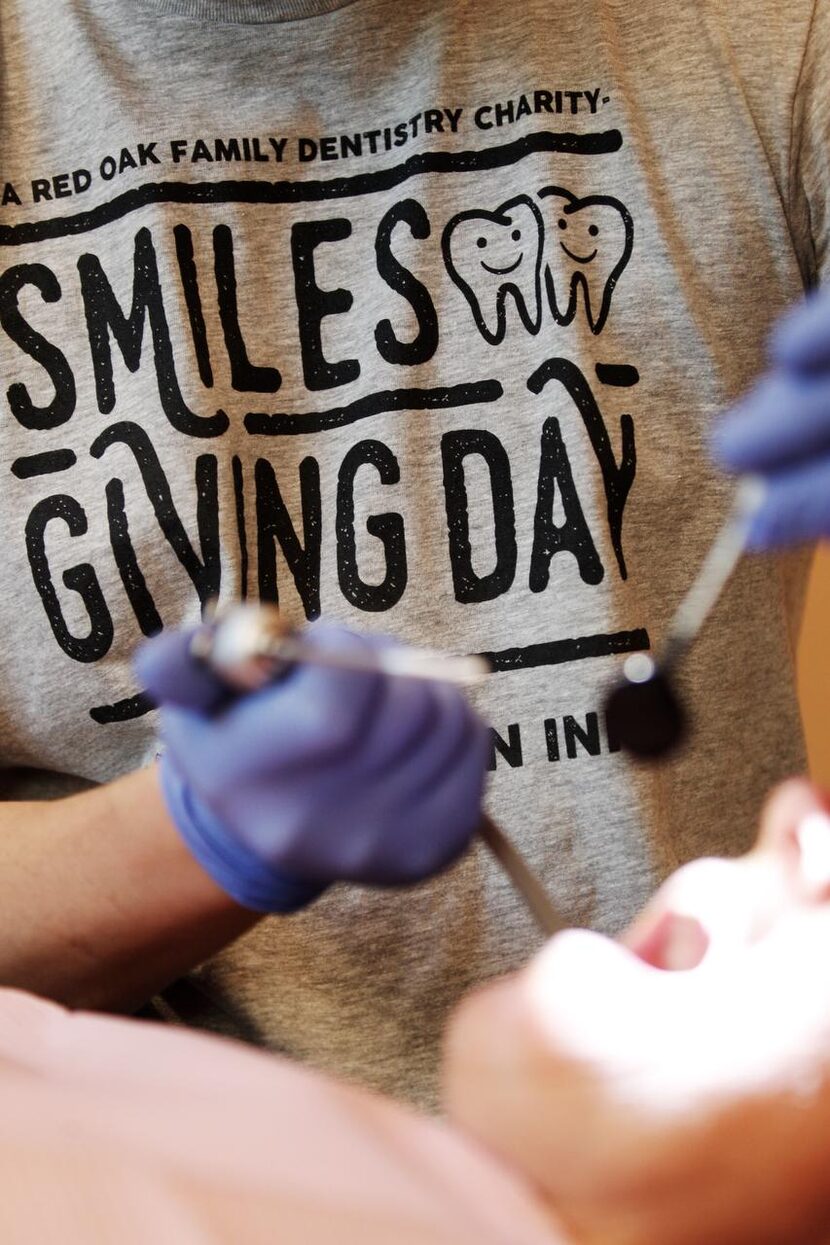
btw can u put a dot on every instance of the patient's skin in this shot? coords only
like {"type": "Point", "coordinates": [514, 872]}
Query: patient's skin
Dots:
{"type": "Point", "coordinates": [120, 1132]}
{"type": "Point", "coordinates": [657, 1107]}
{"type": "Point", "coordinates": [648, 1107]}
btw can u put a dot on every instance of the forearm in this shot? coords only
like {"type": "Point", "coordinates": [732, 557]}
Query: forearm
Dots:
{"type": "Point", "coordinates": [101, 904]}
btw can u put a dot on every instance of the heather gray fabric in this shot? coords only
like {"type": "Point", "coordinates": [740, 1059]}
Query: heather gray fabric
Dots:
{"type": "Point", "coordinates": [416, 314]}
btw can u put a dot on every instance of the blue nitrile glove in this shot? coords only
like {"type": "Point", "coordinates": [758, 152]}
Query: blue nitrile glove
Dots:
{"type": "Point", "coordinates": [781, 430]}
{"type": "Point", "coordinates": [324, 775]}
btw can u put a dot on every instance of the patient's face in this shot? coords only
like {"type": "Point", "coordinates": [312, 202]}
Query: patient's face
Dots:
{"type": "Point", "coordinates": [676, 1089]}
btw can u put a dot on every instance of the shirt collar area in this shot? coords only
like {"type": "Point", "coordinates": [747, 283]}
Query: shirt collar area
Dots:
{"type": "Point", "coordinates": [245, 12]}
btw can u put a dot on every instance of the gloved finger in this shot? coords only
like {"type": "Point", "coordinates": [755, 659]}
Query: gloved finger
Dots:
{"type": "Point", "coordinates": [201, 752]}
{"type": "Point", "coordinates": [439, 752]}
{"type": "Point", "coordinates": [314, 715]}
{"type": "Point", "coordinates": [795, 509]}
{"type": "Point", "coordinates": [801, 340]}
{"type": "Point", "coordinates": [168, 670]}
{"type": "Point", "coordinates": [783, 420]}
{"type": "Point", "coordinates": [406, 713]}
{"type": "Point", "coordinates": [442, 787]}
{"type": "Point", "coordinates": [451, 812]}
{"type": "Point", "coordinates": [422, 750]}
{"type": "Point", "coordinates": [370, 804]}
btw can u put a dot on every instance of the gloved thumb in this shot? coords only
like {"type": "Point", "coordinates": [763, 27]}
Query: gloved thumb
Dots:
{"type": "Point", "coordinates": [169, 670]}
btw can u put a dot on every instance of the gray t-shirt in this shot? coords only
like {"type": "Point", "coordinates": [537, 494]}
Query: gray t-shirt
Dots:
{"type": "Point", "coordinates": [417, 315]}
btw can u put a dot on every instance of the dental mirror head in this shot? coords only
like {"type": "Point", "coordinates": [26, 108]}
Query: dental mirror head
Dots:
{"type": "Point", "coordinates": [644, 713]}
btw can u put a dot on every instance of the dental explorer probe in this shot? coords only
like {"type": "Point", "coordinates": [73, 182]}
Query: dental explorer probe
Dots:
{"type": "Point", "coordinates": [644, 711]}
{"type": "Point", "coordinates": [248, 645]}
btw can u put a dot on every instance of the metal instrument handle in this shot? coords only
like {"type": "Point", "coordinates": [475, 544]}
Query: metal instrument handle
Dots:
{"type": "Point", "coordinates": [522, 877]}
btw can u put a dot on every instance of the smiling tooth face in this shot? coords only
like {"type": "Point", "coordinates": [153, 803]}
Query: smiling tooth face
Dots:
{"type": "Point", "coordinates": [588, 244]}
{"type": "Point", "coordinates": [491, 255]}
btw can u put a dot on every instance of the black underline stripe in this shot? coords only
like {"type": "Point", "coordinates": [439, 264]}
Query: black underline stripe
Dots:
{"type": "Point", "coordinates": [620, 374]}
{"type": "Point", "coordinates": [553, 653]}
{"type": "Point", "coordinates": [313, 190]}
{"type": "Point", "coordinates": [559, 652]}
{"type": "Point", "coordinates": [29, 465]}
{"type": "Point", "coordinates": [123, 710]}
{"type": "Point", "coordinates": [239, 498]}
{"type": "Point", "coordinates": [261, 424]}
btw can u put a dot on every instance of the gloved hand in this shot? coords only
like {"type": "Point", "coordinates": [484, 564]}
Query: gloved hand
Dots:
{"type": "Point", "coordinates": [781, 430]}
{"type": "Point", "coordinates": [323, 775]}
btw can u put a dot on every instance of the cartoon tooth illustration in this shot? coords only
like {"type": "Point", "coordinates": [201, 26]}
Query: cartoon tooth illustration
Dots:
{"type": "Point", "coordinates": [491, 255]}
{"type": "Point", "coordinates": [588, 244]}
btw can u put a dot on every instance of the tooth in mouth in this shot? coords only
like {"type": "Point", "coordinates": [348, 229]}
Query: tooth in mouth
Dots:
{"type": "Point", "coordinates": [588, 243]}
{"type": "Point", "coordinates": [491, 255]}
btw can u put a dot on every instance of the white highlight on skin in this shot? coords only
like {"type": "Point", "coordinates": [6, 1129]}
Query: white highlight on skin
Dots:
{"type": "Point", "coordinates": [723, 898]}
{"type": "Point", "coordinates": [813, 835]}
{"type": "Point", "coordinates": [663, 1044]}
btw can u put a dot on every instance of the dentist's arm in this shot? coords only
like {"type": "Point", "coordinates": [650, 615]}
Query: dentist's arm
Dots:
{"type": "Point", "coordinates": [256, 805]}
{"type": "Point", "coordinates": [101, 903]}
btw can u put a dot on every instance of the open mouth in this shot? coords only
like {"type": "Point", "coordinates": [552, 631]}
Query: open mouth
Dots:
{"type": "Point", "coordinates": [501, 272]}
{"type": "Point", "coordinates": [580, 259]}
